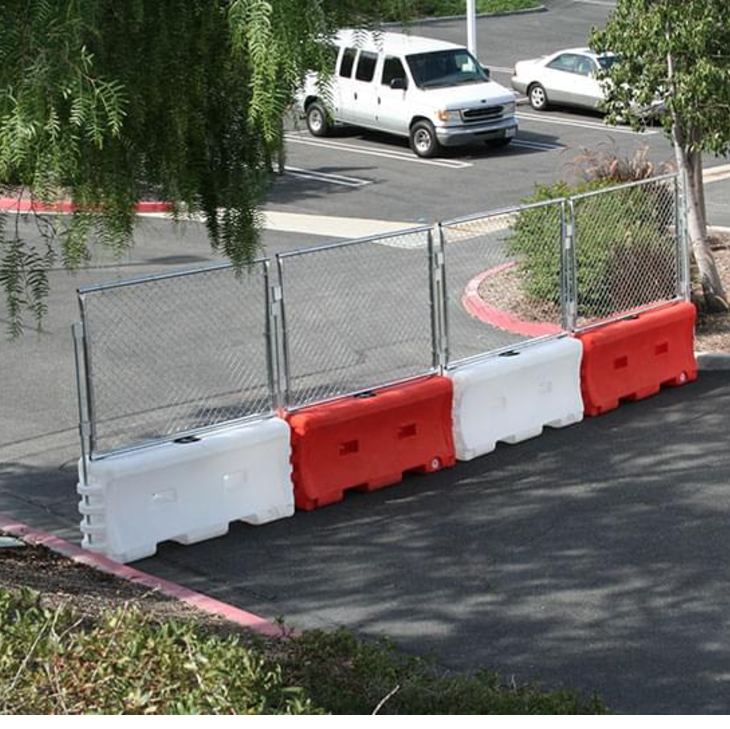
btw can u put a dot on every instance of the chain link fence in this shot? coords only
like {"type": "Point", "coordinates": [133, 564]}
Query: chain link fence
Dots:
{"type": "Point", "coordinates": [503, 279]}
{"type": "Point", "coordinates": [357, 315]}
{"type": "Point", "coordinates": [628, 253]}
{"type": "Point", "coordinates": [170, 355]}
{"type": "Point", "coordinates": [167, 356]}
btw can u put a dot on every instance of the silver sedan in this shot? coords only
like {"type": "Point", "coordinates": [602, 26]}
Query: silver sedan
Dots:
{"type": "Point", "coordinates": [566, 77]}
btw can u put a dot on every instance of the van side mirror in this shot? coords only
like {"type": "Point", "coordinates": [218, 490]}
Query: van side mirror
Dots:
{"type": "Point", "coordinates": [487, 73]}
{"type": "Point", "coordinates": [398, 84]}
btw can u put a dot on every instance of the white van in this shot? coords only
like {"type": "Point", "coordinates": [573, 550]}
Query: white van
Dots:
{"type": "Point", "coordinates": [432, 92]}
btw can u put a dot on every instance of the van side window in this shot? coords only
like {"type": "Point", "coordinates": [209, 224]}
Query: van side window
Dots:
{"type": "Point", "coordinates": [392, 68]}
{"type": "Point", "coordinates": [348, 60]}
{"type": "Point", "coordinates": [366, 66]}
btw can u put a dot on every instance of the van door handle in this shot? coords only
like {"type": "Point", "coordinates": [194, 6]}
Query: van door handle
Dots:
{"type": "Point", "coordinates": [355, 95]}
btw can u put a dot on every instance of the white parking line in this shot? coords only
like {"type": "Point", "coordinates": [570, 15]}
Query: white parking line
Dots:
{"type": "Point", "coordinates": [547, 119]}
{"type": "Point", "coordinates": [373, 152]}
{"type": "Point", "coordinates": [539, 146]}
{"type": "Point", "coordinates": [328, 177]}
{"type": "Point", "coordinates": [716, 174]}
{"type": "Point", "coordinates": [331, 225]}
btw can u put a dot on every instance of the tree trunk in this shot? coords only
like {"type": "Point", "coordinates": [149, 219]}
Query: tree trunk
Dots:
{"type": "Point", "coordinates": [694, 159]}
{"type": "Point", "coordinates": [689, 165]}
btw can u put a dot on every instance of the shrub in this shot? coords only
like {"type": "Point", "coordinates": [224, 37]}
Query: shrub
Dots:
{"type": "Point", "coordinates": [624, 246]}
{"type": "Point", "coordinates": [128, 662]}
{"type": "Point", "coordinates": [50, 663]}
{"type": "Point", "coordinates": [349, 676]}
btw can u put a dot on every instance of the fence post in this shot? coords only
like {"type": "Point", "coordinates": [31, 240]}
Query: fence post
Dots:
{"type": "Point", "coordinates": [273, 327]}
{"type": "Point", "coordinates": [281, 338]}
{"type": "Point", "coordinates": [684, 282]}
{"type": "Point", "coordinates": [438, 300]}
{"type": "Point", "coordinates": [277, 344]}
{"type": "Point", "coordinates": [88, 379]}
{"type": "Point", "coordinates": [569, 283]}
{"type": "Point", "coordinates": [77, 331]}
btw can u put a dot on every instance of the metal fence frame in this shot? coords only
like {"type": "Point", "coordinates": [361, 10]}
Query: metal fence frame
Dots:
{"type": "Point", "coordinates": [277, 351]}
{"type": "Point", "coordinates": [84, 359]}
{"type": "Point", "coordinates": [435, 262]}
{"type": "Point", "coordinates": [682, 260]}
{"type": "Point", "coordinates": [565, 288]}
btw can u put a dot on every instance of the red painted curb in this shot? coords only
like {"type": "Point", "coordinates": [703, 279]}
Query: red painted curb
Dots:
{"type": "Point", "coordinates": [96, 561]}
{"type": "Point", "coordinates": [479, 309]}
{"type": "Point", "coordinates": [13, 205]}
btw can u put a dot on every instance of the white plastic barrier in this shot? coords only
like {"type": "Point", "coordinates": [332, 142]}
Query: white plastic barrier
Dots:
{"type": "Point", "coordinates": [512, 397]}
{"type": "Point", "coordinates": [187, 491]}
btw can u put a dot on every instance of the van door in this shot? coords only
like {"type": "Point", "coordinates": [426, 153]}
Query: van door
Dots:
{"type": "Point", "coordinates": [343, 86]}
{"type": "Point", "coordinates": [392, 103]}
{"type": "Point", "coordinates": [364, 89]}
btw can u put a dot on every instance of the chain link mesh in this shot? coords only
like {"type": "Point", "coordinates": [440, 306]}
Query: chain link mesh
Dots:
{"type": "Point", "coordinates": [358, 315]}
{"type": "Point", "coordinates": [503, 279]}
{"type": "Point", "coordinates": [176, 354]}
{"type": "Point", "coordinates": [626, 249]}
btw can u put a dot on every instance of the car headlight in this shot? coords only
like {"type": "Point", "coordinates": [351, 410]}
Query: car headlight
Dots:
{"type": "Point", "coordinates": [508, 109]}
{"type": "Point", "coordinates": [447, 115]}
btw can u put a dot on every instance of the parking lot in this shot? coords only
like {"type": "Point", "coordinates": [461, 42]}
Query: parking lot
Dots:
{"type": "Point", "coordinates": [559, 561]}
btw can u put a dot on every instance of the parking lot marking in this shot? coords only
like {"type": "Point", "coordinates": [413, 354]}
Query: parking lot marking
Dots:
{"type": "Point", "coordinates": [330, 225]}
{"type": "Point", "coordinates": [328, 177]}
{"type": "Point", "coordinates": [453, 164]}
{"type": "Point", "coordinates": [547, 119]}
{"type": "Point", "coordinates": [539, 146]}
{"type": "Point", "coordinates": [716, 174]}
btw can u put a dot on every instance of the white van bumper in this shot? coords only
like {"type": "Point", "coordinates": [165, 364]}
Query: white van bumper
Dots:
{"type": "Point", "coordinates": [463, 134]}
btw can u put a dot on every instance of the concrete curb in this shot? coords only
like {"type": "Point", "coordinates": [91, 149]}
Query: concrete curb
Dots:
{"type": "Point", "coordinates": [445, 18]}
{"type": "Point", "coordinates": [194, 599]}
{"type": "Point", "coordinates": [13, 205]}
{"type": "Point", "coordinates": [479, 309]}
{"type": "Point", "coordinates": [713, 361]}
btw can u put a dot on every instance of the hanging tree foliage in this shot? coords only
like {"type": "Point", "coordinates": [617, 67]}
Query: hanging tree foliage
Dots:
{"type": "Point", "coordinates": [103, 102]}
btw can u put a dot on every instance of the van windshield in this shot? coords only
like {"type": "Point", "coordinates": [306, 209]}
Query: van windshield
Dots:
{"type": "Point", "coordinates": [445, 68]}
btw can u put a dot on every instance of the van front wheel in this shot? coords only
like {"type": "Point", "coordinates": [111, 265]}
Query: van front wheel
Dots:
{"type": "Point", "coordinates": [318, 122]}
{"type": "Point", "coordinates": [423, 139]}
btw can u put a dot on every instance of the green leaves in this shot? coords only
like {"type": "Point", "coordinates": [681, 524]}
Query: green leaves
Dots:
{"type": "Point", "coordinates": [696, 34]}
{"type": "Point", "coordinates": [103, 103]}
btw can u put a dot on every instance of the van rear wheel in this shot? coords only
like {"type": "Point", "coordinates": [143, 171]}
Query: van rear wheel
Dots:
{"type": "Point", "coordinates": [423, 139]}
{"type": "Point", "coordinates": [318, 121]}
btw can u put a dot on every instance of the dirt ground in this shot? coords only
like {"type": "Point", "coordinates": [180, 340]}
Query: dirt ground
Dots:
{"type": "Point", "coordinates": [712, 334]}
{"type": "Point", "coordinates": [59, 580]}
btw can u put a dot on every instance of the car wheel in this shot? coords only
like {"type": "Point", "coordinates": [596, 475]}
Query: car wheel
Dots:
{"type": "Point", "coordinates": [423, 139]}
{"type": "Point", "coordinates": [538, 97]}
{"type": "Point", "coordinates": [318, 121]}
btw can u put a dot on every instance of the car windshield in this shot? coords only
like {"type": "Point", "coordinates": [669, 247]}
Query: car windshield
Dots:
{"type": "Point", "coordinates": [606, 62]}
{"type": "Point", "coordinates": [445, 68]}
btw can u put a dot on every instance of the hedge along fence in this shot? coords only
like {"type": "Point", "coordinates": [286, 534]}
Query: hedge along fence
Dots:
{"type": "Point", "coordinates": [624, 241]}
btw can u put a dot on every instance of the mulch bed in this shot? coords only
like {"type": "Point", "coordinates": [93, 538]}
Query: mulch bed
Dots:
{"type": "Point", "coordinates": [503, 291]}
{"type": "Point", "coordinates": [61, 581]}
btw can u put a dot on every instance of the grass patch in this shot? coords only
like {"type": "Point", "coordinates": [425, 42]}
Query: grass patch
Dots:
{"type": "Point", "coordinates": [126, 661]}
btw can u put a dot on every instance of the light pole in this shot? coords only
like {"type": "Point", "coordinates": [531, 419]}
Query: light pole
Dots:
{"type": "Point", "coordinates": [471, 27]}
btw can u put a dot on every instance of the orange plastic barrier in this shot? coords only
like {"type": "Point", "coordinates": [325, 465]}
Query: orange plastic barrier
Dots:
{"type": "Point", "coordinates": [368, 441]}
{"type": "Point", "coordinates": [632, 359]}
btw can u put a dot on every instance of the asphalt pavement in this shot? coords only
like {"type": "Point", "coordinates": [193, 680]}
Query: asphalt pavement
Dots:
{"type": "Point", "coordinates": [591, 557]}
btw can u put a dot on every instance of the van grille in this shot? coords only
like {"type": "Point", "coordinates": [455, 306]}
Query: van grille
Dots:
{"type": "Point", "coordinates": [484, 113]}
